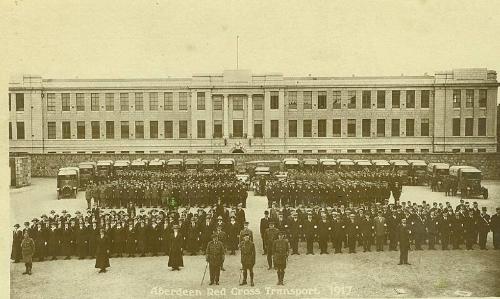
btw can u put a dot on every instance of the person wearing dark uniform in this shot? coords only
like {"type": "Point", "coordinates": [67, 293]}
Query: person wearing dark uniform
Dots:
{"type": "Point", "coordinates": [17, 239]}
{"type": "Point", "coordinates": [404, 242]}
{"type": "Point", "coordinates": [53, 241]}
{"type": "Point", "coordinates": [264, 224]}
{"type": "Point", "coordinates": [27, 250]}
{"type": "Point", "coordinates": [310, 228]}
{"type": "Point", "coordinates": [470, 225]}
{"type": "Point", "coordinates": [215, 258]}
{"type": "Point", "coordinates": [294, 227]}
{"type": "Point", "coordinates": [280, 255]}
{"type": "Point", "coordinates": [130, 240]}
{"type": "Point", "coordinates": [324, 232]}
{"type": "Point", "coordinates": [483, 227]}
{"type": "Point", "coordinates": [247, 248]}
{"type": "Point", "coordinates": [175, 259]}
{"type": "Point", "coordinates": [119, 237]}
{"type": "Point", "coordinates": [352, 230]}
{"type": "Point", "coordinates": [495, 228]}
{"type": "Point", "coordinates": [271, 236]}
{"type": "Point", "coordinates": [81, 241]}
{"type": "Point", "coordinates": [102, 252]}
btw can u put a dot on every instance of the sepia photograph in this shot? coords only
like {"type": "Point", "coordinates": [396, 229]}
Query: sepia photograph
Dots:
{"type": "Point", "coordinates": [251, 149]}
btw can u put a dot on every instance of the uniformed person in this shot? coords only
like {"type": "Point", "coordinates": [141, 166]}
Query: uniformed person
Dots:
{"type": "Point", "coordinates": [271, 236]}
{"type": "Point", "coordinates": [247, 248]}
{"type": "Point", "coordinates": [404, 242]}
{"type": "Point", "coordinates": [215, 258]}
{"type": "Point", "coordinates": [280, 255]}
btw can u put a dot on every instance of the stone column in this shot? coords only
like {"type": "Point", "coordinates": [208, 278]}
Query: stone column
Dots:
{"type": "Point", "coordinates": [249, 116]}
{"type": "Point", "coordinates": [226, 117]}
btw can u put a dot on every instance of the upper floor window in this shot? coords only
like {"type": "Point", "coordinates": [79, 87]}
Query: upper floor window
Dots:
{"type": "Point", "coordinates": [292, 100]}
{"type": "Point", "coordinates": [322, 100]}
{"type": "Point", "coordinates": [110, 102]}
{"type": "Point", "coordinates": [20, 102]}
{"type": "Point", "coordinates": [456, 98]}
{"type": "Point", "coordinates": [396, 98]}
{"type": "Point", "coordinates": [183, 101]}
{"type": "Point", "coordinates": [483, 96]}
{"type": "Point", "coordinates": [424, 98]}
{"type": "Point", "coordinates": [469, 98]}
{"type": "Point", "coordinates": [410, 99]}
{"type": "Point", "coordinates": [217, 102]}
{"type": "Point", "coordinates": [65, 102]}
{"type": "Point", "coordinates": [200, 100]}
{"type": "Point", "coordinates": [80, 102]}
{"type": "Point", "coordinates": [351, 99]}
{"type": "Point", "coordinates": [168, 101]}
{"type": "Point", "coordinates": [94, 102]}
{"type": "Point", "coordinates": [258, 102]}
{"type": "Point", "coordinates": [124, 101]}
{"type": "Point", "coordinates": [380, 98]}
{"type": "Point", "coordinates": [307, 100]}
{"type": "Point", "coordinates": [139, 102]}
{"type": "Point", "coordinates": [275, 100]}
{"type": "Point", "coordinates": [237, 103]}
{"type": "Point", "coordinates": [51, 102]}
{"type": "Point", "coordinates": [336, 100]}
{"type": "Point", "coordinates": [366, 99]}
{"type": "Point", "coordinates": [153, 101]}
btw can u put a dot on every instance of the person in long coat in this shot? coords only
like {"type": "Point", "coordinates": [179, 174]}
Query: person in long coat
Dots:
{"type": "Point", "coordinates": [247, 248]}
{"type": "Point", "coordinates": [17, 238]}
{"type": "Point", "coordinates": [102, 252]}
{"type": "Point", "coordinates": [175, 259]}
{"type": "Point", "coordinates": [280, 255]}
{"type": "Point", "coordinates": [28, 250]}
{"type": "Point", "coordinates": [215, 258]}
{"type": "Point", "coordinates": [404, 242]}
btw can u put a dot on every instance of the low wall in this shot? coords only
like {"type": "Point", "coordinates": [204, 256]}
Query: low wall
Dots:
{"type": "Point", "coordinates": [47, 165]}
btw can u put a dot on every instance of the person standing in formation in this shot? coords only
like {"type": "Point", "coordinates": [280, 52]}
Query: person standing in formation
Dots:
{"type": "Point", "coordinates": [17, 239]}
{"type": "Point", "coordinates": [280, 255]}
{"type": "Point", "coordinates": [215, 258]}
{"type": "Point", "coordinates": [404, 242]}
{"type": "Point", "coordinates": [247, 248]}
{"type": "Point", "coordinates": [102, 252]}
{"type": "Point", "coordinates": [175, 259]}
{"type": "Point", "coordinates": [28, 250]}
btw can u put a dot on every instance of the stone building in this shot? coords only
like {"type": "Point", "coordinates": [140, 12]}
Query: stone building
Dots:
{"type": "Point", "coordinates": [237, 111]}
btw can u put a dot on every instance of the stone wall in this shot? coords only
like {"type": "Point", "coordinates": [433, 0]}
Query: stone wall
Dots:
{"type": "Point", "coordinates": [47, 165]}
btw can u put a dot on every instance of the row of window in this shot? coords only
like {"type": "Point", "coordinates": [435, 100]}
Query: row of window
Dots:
{"type": "Point", "coordinates": [258, 100]}
{"type": "Point", "coordinates": [469, 127]}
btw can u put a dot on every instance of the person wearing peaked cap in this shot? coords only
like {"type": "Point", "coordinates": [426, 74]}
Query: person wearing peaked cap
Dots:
{"type": "Point", "coordinates": [271, 235]}
{"type": "Point", "coordinates": [215, 258]}
{"type": "Point", "coordinates": [247, 248]}
{"type": "Point", "coordinates": [280, 255]}
{"type": "Point", "coordinates": [175, 258]}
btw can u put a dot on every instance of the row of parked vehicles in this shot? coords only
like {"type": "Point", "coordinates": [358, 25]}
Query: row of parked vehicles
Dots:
{"type": "Point", "coordinates": [412, 172]}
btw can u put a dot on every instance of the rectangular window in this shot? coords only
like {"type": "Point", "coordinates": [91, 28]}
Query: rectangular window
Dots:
{"type": "Point", "coordinates": [110, 129]}
{"type": "Point", "coordinates": [381, 127]}
{"type": "Point", "coordinates": [153, 101]}
{"type": "Point", "coordinates": [469, 126]}
{"type": "Point", "coordinates": [183, 128]}
{"type": "Point", "coordinates": [307, 128]}
{"type": "Point", "coordinates": [123, 101]}
{"type": "Point", "coordinates": [80, 129]}
{"type": "Point", "coordinates": [410, 99]}
{"type": "Point", "coordinates": [139, 101]}
{"type": "Point", "coordinates": [424, 150]}
{"type": "Point", "coordinates": [168, 101]}
{"type": "Point", "coordinates": [321, 99]}
{"type": "Point", "coordinates": [396, 98]}
{"type": "Point", "coordinates": [366, 99]}
{"type": "Point", "coordinates": [237, 128]}
{"type": "Point", "coordinates": [258, 102]}
{"type": "Point", "coordinates": [51, 130]}
{"type": "Point", "coordinates": [481, 126]}
{"type": "Point", "coordinates": [200, 126]}
{"type": "Point", "coordinates": [366, 127]}
{"type": "Point", "coordinates": [168, 129]}
{"type": "Point", "coordinates": [469, 98]}
{"type": "Point", "coordinates": [456, 98]}
{"type": "Point", "coordinates": [96, 129]}
{"type": "Point", "coordinates": [292, 128]}
{"type": "Point", "coordinates": [456, 127]}
{"type": "Point", "coordinates": [66, 130]}
{"type": "Point", "coordinates": [94, 102]}
{"type": "Point", "coordinates": [217, 102]}
{"type": "Point", "coordinates": [380, 98]}
{"type": "Point", "coordinates": [20, 130]}
{"type": "Point", "coordinates": [395, 128]}
{"type": "Point", "coordinates": [424, 127]}
{"type": "Point", "coordinates": [292, 100]}
{"type": "Point", "coordinates": [351, 99]}
{"type": "Point", "coordinates": [110, 101]}
{"type": "Point", "coordinates": [337, 99]}
{"type": "Point", "coordinates": [455, 150]}
{"type": "Point", "coordinates": [337, 127]}
{"type": "Point", "coordinates": [483, 96]}
{"type": "Point", "coordinates": [125, 131]}
{"type": "Point", "coordinates": [80, 102]}
{"type": "Point", "coordinates": [139, 129]}
{"type": "Point", "coordinates": [153, 129]}
{"type": "Point", "coordinates": [257, 129]}
{"type": "Point", "coordinates": [351, 128]}
{"type": "Point", "coordinates": [424, 98]}
{"type": "Point", "coordinates": [275, 100]}
{"type": "Point", "coordinates": [481, 150]}
{"type": "Point", "coordinates": [410, 127]}
{"type": "Point", "coordinates": [217, 128]}
{"type": "Point", "coordinates": [275, 128]}
{"type": "Point", "coordinates": [307, 99]}
{"type": "Point", "coordinates": [183, 101]}
{"type": "Point", "coordinates": [321, 127]}
{"type": "Point", "coordinates": [20, 102]}
{"type": "Point", "coordinates": [200, 101]}
{"type": "Point", "coordinates": [237, 104]}
{"type": "Point", "coordinates": [65, 102]}
{"type": "Point", "coordinates": [51, 102]}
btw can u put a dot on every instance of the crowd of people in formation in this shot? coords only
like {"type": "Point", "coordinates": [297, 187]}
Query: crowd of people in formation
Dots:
{"type": "Point", "coordinates": [131, 188]}
{"type": "Point", "coordinates": [303, 188]}
{"type": "Point", "coordinates": [371, 226]}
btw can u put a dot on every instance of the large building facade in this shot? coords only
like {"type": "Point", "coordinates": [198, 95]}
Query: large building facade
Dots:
{"type": "Point", "coordinates": [237, 111]}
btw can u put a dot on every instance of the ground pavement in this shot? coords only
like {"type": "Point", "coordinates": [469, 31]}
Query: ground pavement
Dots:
{"type": "Point", "coordinates": [372, 274]}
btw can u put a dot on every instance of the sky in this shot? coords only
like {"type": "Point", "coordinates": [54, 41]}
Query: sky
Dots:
{"type": "Point", "coordinates": [154, 39]}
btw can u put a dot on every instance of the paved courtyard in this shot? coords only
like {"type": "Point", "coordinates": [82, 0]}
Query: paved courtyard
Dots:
{"type": "Point", "coordinates": [372, 274]}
